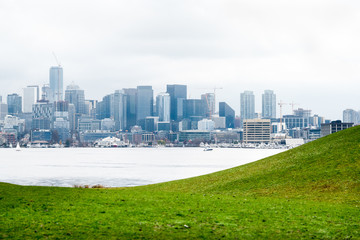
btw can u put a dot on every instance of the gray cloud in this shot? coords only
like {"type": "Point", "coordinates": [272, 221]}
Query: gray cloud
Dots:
{"type": "Point", "coordinates": [307, 51]}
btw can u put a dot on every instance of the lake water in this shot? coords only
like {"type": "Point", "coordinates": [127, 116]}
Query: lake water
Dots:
{"type": "Point", "coordinates": [117, 167]}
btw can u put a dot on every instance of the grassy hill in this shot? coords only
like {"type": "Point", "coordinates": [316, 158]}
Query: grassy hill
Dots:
{"type": "Point", "coordinates": [312, 191]}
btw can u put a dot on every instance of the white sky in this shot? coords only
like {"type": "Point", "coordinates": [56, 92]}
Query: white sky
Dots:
{"type": "Point", "coordinates": [307, 51]}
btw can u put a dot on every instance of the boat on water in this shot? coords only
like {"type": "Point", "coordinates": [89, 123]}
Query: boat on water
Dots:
{"type": "Point", "coordinates": [18, 147]}
{"type": "Point", "coordinates": [208, 149]}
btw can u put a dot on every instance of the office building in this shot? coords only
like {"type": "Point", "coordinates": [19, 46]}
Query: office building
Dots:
{"type": "Point", "coordinates": [333, 127]}
{"type": "Point", "coordinates": [3, 110]}
{"type": "Point", "coordinates": [76, 96]}
{"type": "Point", "coordinates": [14, 102]}
{"type": "Point", "coordinates": [144, 104]}
{"type": "Point", "coordinates": [226, 111]}
{"type": "Point", "coordinates": [119, 112]}
{"type": "Point", "coordinates": [42, 115]}
{"type": "Point", "coordinates": [30, 96]}
{"type": "Point", "coordinates": [206, 125]}
{"type": "Point", "coordinates": [56, 83]}
{"type": "Point", "coordinates": [163, 107]}
{"type": "Point", "coordinates": [257, 131]}
{"type": "Point", "coordinates": [130, 95]}
{"type": "Point", "coordinates": [194, 108]}
{"type": "Point", "coordinates": [209, 98]}
{"type": "Point", "coordinates": [351, 116]}
{"type": "Point", "coordinates": [178, 93]}
{"type": "Point", "coordinates": [268, 104]}
{"type": "Point", "coordinates": [247, 105]}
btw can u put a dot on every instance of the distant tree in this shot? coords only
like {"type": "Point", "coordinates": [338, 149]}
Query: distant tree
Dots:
{"type": "Point", "coordinates": [55, 138]}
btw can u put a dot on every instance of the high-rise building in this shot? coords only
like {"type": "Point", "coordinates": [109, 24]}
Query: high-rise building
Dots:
{"type": "Point", "coordinates": [30, 97]}
{"type": "Point", "coordinates": [14, 102]}
{"type": "Point", "coordinates": [257, 131]}
{"type": "Point", "coordinates": [268, 104]}
{"type": "Point", "coordinates": [144, 104]}
{"type": "Point", "coordinates": [226, 111]}
{"type": "Point", "coordinates": [56, 83]}
{"type": "Point", "coordinates": [42, 113]}
{"type": "Point", "coordinates": [76, 96]}
{"type": "Point", "coordinates": [3, 110]}
{"type": "Point", "coordinates": [247, 105]}
{"type": "Point", "coordinates": [351, 116]}
{"type": "Point", "coordinates": [194, 108]}
{"type": "Point", "coordinates": [130, 95]}
{"type": "Point", "coordinates": [209, 98]}
{"type": "Point", "coordinates": [119, 105]}
{"type": "Point", "coordinates": [163, 107]}
{"type": "Point", "coordinates": [178, 93]}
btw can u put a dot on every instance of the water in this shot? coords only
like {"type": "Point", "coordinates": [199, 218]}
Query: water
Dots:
{"type": "Point", "coordinates": [117, 167]}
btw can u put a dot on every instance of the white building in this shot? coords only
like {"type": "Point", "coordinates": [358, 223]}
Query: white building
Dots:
{"type": "Point", "coordinates": [206, 125]}
{"type": "Point", "coordinates": [163, 107]}
{"type": "Point", "coordinates": [220, 122]}
{"type": "Point", "coordinates": [30, 97]}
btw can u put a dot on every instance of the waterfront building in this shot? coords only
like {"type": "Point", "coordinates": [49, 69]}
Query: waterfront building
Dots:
{"type": "Point", "coordinates": [30, 96]}
{"type": "Point", "coordinates": [144, 104]}
{"type": "Point", "coordinates": [268, 104]}
{"type": "Point", "coordinates": [226, 111]}
{"type": "Point", "coordinates": [334, 126]}
{"type": "Point", "coordinates": [151, 124]}
{"type": "Point", "coordinates": [178, 93]}
{"type": "Point", "coordinates": [56, 83]}
{"type": "Point", "coordinates": [209, 98]}
{"type": "Point", "coordinates": [14, 102]}
{"type": "Point", "coordinates": [195, 136]}
{"type": "Point", "coordinates": [293, 121]}
{"type": "Point", "coordinates": [247, 105]}
{"type": "Point", "coordinates": [163, 107]}
{"type": "Point", "coordinates": [257, 131]}
{"type": "Point", "coordinates": [42, 115]}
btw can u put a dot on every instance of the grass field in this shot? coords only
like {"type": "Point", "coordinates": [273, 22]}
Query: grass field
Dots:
{"type": "Point", "coordinates": [310, 192]}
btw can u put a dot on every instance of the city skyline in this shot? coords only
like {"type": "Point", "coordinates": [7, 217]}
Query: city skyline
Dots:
{"type": "Point", "coordinates": [301, 50]}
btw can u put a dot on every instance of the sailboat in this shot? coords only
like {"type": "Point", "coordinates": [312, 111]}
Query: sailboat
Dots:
{"type": "Point", "coordinates": [18, 147]}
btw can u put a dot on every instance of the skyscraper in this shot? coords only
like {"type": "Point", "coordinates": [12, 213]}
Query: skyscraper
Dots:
{"type": "Point", "coordinates": [56, 83]}
{"type": "Point", "coordinates": [209, 98]}
{"type": "Point", "coordinates": [130, 94]}
{"type": "Point", "coordinates": [30, 96]}
{"type": "Point", "coordinates": [14, 102]}
{"type": "Point", "coordinates": [351, 116]}
{"type": "Point", "coordinates": [229, 114]}
{"type": "Point", "coordinates": [76, 96]}
{"type": "Point", "coordinates": [119, 102]}
{"type": "Point", "coordinates": [268, 104]}
{"type": "Point", "coordinates": [178, 93]}
{"type": "Point", "coordinates": [144, 104]}
{"type": "Point", "coordinates": [247, 105]}
{"type": "Point", "coordinates": [163, 107]}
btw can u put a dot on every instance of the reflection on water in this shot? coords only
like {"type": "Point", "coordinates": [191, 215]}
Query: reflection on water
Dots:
{"type": "Point", "coordinates": [117, 167]}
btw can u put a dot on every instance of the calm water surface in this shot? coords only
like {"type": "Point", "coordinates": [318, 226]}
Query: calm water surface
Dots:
{"type": "Point", "coordinates": [117, 167]}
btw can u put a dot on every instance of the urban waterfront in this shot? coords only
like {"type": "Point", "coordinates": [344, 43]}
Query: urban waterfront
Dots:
{"type": "Point", "coordinates": [117, 167]}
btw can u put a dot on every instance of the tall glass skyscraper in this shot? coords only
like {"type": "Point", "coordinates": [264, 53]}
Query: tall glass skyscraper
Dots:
{"type": "Point", "coordinates": [14, 102]}
{"type": "Point", "coordinates": [247, 105]}
{"type": "Point", "coordinates": [209, 98]}
{"type": "Point", "coordinates": [226, 111]}
{"type": "Point", "coordinates": [130, 95]}
{"type": "Point", "coordinates": [30, 96]}
{"type": "Point", "coordinates": [178, 93]}
{"type": "Point", "coordinates": [56, 84]}
{"type": "Point", "coordinates": [76, 96]}
{"type": "Point", "coordinates": [268, 104]}
{"type": "Point", "coordinates": [163, 107]}
{"type": "Point", "coordinates": [144, 103]}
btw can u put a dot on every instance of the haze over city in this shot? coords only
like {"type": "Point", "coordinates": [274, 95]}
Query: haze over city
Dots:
{"type": "Point", "coordinates": [307, 52]}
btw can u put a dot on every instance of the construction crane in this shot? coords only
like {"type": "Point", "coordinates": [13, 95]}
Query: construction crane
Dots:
{"type": "Point", "coordinates": [292, 106]}
{"type": "Point", "coordinates": [281, 104]}
{"type": "Point", "coordinates": [208, 102]}
{"type": "Point", "coordinates": [56, 59]}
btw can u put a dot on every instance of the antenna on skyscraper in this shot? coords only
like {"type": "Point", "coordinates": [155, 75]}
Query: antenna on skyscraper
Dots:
{"type": "Point", "coordinates": [56, 59]}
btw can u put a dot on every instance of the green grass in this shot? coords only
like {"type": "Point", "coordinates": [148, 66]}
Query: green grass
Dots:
{"type": "Point", "coordinates": [310, 192]}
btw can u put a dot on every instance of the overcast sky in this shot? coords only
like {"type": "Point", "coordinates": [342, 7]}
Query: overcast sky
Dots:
{"type": "Point", "coordinates": [307, 51]}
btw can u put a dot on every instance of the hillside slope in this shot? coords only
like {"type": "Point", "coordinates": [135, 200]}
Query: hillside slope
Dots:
{"type": "Point", "coordinates": [325, 169]}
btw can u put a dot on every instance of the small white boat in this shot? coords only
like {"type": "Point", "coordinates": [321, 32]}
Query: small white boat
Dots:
{"type": "Point", "coordinates": [18, 147]}
{"type": "Point", "coordinates": [208, 149]}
